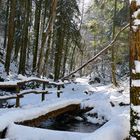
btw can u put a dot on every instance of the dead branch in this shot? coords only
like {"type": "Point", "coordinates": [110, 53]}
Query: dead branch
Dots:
{"type": "Point", "coordinates": [97, 55]}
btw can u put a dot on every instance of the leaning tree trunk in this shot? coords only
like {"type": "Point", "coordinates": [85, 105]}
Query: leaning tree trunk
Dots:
{"type": "Point", "coordinates": [135, 74]}
{"type": "Point", "coordinates": [49, 44]}
{"type": "Point", "coordinates": [98, 54]}
{"type": "Point", "coordinates": [45, 35]}
{"type": "Point", "coordinates": [11, 31]}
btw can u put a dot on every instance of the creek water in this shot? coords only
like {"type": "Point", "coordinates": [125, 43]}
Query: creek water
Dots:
{"type": "Point", "coordinates": [69, 124]}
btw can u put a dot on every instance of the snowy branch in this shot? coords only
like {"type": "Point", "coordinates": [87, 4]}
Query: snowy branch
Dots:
{"type": "Point", "coordinates": [97, 55]}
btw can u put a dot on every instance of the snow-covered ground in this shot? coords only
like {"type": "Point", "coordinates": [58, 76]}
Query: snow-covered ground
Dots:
{"type": "Point", "coordinates": [110, 106]}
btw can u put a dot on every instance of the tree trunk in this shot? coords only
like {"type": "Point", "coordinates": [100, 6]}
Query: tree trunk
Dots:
{"type": "Point", "coordinates": [113, 64]}
{"type": "Point", "coordinates": [6, 25]}
{"type": "Point", "coordinates": [22, 63]}
{"type": "Point", "coordinates": [66, 50]}
{"type": "Point", "coordinates": [11, 31]}
{"type": "Point", "coordinates": [36, 33]}
{"type": "Point", "coordinates": [46, 34]}
{"type": "Point", "coordinates": [49, 44]}
{"type": "Point", "coordinates": [134, 89]}
{"type": "Point", "coordinates": [72, 59]}
{"type": "Point", "coordinates": [98, 54]}
{"type": "Point", "coordinates": [19, 29]}
{"type": "Point", "coordinates": [50, 67]}
{"type": "Point", "coordinates": [59, 52]}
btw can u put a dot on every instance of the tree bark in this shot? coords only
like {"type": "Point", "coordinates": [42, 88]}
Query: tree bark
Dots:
{"type": "Point", "coordinates": [36, 33]}
{"type": "Point", "coordinates": [113, 63]}
{"type": "Point", "coordinates": [11, 31]}
{"type": "Point", "coordinates": [134, 90]}
{"type": "Point", "coordinates": [45, 35]}
{"type": "Point", "coordinates": [22, 63]}
{"type": "Point", "coordinates": [6, 25]}
{"type": "Point", "coordinates": [59, 52]}
{"type": "Point", "coordinates": [66, 50]}
{"type": "Point", "coordinates": [49, 44]}
{"type": "Point", "coordinates": [72, 58]}
{"type": "Point", "coordinates": [19, 29]}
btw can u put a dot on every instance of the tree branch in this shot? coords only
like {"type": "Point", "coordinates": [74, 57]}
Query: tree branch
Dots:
{"type": "Point", "coordinates": [98, 54]}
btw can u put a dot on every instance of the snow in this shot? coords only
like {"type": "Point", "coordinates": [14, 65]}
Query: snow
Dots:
{"type": "Point", "coordinates": [136, 16]}
{"type": "Point", "coordinates": [137, 110]}
{"type": "Point", "coordinates": [11, 83]}
{"type": "Point", "coordinates": [132, 138]}
{"type": "Point", "coordinates": [112, 130]}
{"type": "Point", "coordinates": [17, 132]}
{"type": "Point", "coordinates": [102, 105]}
{"type": "Point", "coordinates": [136, 83]}
{"type": "Point", "coordinates": [31, 112]}
{"type": "Point", "coordinates": [137, 66]}
{"type": "Point", "coordinates": [26, 79]}
{"type": "Point", "coordinates": [135, 28]}
{"type": "Point", "coordinates": [8, 96]}
{"type": "Point", "coordinates": [100, 97]}
{"type": "Point", "coordinates": [137, 1]}
{"type": "Point", "coordinates": [136, 22]}
{"type": "Point", "coordinates": [36, 91]}
{"type": "Point", "coordinates": [136, 13]}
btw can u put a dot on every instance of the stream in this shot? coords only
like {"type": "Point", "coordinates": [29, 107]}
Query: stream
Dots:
{"type": "Point", "coordinates": [69, 124]}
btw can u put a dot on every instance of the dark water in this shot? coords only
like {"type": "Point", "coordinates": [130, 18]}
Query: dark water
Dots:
{"type": "Point", "coordinates": [72, 125]}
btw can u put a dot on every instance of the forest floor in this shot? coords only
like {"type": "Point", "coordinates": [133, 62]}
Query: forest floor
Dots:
{"type": "Point", "coordinates": [110, 108]}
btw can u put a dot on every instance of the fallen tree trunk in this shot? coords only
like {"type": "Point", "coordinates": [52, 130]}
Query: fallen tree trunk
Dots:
{"type": "Point", "coordinates": [97, 55]}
